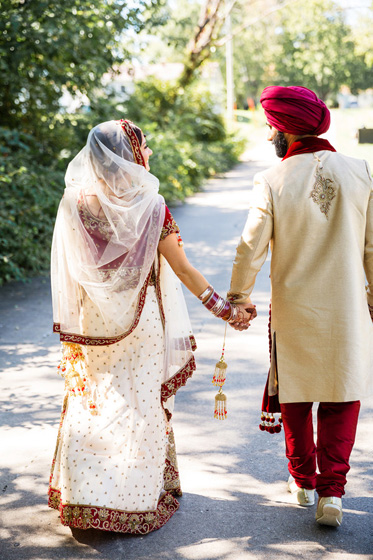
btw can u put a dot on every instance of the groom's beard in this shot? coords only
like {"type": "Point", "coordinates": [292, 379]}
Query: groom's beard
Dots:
{"type": "Point", "coordinates": [280, 144]}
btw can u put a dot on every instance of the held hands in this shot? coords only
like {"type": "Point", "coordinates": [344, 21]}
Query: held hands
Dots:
{"type": "Point", "coordinates": [238, 315]}
{"type": "Point", "coordinates": [246, 312]}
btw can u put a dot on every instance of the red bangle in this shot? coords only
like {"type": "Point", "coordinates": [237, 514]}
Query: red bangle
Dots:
{"type": "Point", "coordinates": [211, 301]}
{"type": "Point", "coordinates": [227, 311]}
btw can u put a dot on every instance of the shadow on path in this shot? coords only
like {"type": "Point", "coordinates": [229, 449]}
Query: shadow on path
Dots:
{"type": "Point", "coordinates": [235, 505]}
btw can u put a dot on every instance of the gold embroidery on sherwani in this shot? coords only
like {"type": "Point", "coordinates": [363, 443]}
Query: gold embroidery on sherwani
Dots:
{"type": "Point", "coordinates": [323, 193]}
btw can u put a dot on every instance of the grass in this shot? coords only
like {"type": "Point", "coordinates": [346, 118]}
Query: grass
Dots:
{"type": "Point", "coordinates": [345, 123]}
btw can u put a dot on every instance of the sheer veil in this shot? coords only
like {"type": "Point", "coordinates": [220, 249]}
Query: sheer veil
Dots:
{"type": "Point", "coordinates": [104, 248]}
{"type": "Point", "coordinates": [106, 234]}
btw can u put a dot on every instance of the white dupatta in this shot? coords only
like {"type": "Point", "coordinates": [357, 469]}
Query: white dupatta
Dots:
{"type": "Point", "coordinates": [104, 251]}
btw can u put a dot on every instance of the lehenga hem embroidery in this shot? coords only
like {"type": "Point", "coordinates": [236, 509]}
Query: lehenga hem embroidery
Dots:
{"type": "Point", "coordinates": [172, 385]}
{"type": "Point", "coordinates": [171, 478]}
{"type": "Point", "coordinates": [107, 519]}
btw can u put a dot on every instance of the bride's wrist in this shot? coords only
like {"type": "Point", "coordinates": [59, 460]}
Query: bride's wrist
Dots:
{"type": "Point", "coordinates": [219, 306]}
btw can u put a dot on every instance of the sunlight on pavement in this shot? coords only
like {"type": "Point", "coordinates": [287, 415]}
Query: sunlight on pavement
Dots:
{"type": "Point", "coordinates": [215, 548]}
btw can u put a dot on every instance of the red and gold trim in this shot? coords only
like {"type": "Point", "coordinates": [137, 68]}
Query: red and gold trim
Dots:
{"type": "Point", "coordinates": [172, 385]}
{"type": "Point", "coordinates": [93, 341]}
{"type": "Point", "coordinates": [158, 294]}
{"type": "Point", "coordinates": [134, 141]}
{"type": "Point", "coordinates": [193, 342]}
{"type": "Point", "coordinates": [171, 478]}
{"type": "Point", "coordinates": [107, 519]}
{"type": "Point", "coordinates": [169, 225]}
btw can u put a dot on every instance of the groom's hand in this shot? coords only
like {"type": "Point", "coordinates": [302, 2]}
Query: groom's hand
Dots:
{"type": "Point", "coordinates": [251, 308]}
{"type": "Point", "coordinates": [246, 312]}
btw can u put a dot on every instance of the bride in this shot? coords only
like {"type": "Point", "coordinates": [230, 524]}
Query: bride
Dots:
{"type": "Point", "coordinates": [126, 337]}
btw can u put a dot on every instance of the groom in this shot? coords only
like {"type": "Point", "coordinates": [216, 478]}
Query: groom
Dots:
{"type": "Point", "coordinates": [315, 209]}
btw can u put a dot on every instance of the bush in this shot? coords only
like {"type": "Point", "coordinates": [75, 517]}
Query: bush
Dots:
{"type": "Point", "coordinates": [186, 133]}
{"type": "Point", "coordinates": [30, 193]}
{"type": "Point", "coordinates": [183, 128]}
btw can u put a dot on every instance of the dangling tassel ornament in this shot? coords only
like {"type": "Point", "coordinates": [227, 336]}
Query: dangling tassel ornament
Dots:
{"type": "Point", "coordinates": [270, 404]}
{"type": "Point", "coordinates": [72, 369]}
{"type": "Point", "coordinates": [180, 242]}
{"type": "Point", "coordinates": [220, 405]}
{"type": "Point", "coordinates": [218, 380]}
{"type": "Point", "coordinates": [268, 423]}
{"type": "Point", "coordinates": [220, 373]}
{"type": "Point", "coordinates": [72, 357]}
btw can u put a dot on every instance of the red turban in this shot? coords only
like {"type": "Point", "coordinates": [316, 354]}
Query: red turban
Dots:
{"type": "Point", "coordinates": [295, 109]}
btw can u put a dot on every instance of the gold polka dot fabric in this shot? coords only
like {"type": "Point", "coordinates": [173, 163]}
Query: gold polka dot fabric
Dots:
{"type": "Point", "coordinates": [120, 460]}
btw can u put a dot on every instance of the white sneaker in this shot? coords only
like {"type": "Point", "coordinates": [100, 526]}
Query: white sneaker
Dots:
{"type": "Point", "coordinates": [303, 496]}
{"type": "Point", "coordinates": [329, 511]}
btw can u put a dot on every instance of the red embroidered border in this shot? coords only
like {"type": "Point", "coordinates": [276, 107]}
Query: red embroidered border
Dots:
{"type": "Point", "coordinates": [85, 517]}
{"type": "Point", "coordinates": [158, 294]}
{"type": "Point", "coordinates": [107, 519]}
{"type": "Point", "coordinates": [193, 343]}
{"type": "Point", "coordinates": [134, 141]}
{"type": "Point", "coordinates": [171, 478]}
{"type": "Point", "coordinates": [93, 341]}
{"type": "Point", "coordinates": [170, 227]}
{"type": "Point", "coordinates": [180, 378]}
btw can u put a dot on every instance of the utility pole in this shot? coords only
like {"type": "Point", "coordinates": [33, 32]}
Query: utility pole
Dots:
{"type": "Point", "coordinates": [229, 69]}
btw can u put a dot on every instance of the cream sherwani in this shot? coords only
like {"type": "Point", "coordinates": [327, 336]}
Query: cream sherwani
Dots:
{"type": "Point", "coordinates": [316, 212]}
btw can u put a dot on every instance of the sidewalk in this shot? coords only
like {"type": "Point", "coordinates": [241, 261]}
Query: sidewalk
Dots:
{"type": "Point", "coordinates": [235, 505]}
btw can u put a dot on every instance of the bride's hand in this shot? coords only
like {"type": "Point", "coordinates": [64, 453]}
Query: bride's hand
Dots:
{"type": "Point", "coordinates": [246, 312]}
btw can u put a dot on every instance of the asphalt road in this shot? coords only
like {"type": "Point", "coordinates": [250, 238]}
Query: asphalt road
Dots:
{"type": "Point", "coordinates": [235, 505]}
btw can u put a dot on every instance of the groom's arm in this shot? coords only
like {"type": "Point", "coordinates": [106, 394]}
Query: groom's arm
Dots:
{"type": "Point", "coordinates": [252, 249]}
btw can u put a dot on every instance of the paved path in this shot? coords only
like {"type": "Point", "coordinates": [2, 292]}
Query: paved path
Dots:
{"type": "Point", "coordinates": [235, 504]}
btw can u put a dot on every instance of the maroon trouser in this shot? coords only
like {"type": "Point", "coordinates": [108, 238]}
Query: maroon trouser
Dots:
{"type": "Point", "coordinates": [336, 430]}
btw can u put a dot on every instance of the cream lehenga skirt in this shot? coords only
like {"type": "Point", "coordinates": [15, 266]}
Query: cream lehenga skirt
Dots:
{"type": "Point", "coordinates": [117, 470]}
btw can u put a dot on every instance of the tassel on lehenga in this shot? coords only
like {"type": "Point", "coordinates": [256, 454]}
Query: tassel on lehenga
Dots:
{"type": "Point", "coordinates": [71, 368]}
{"type": "Point", "coordinates": [220, 411]}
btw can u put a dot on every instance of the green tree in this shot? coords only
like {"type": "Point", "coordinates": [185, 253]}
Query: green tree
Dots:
{"type": "Point", "coordinates": [275, 42]}
{"type": "Point", "coordinates": [48, 46]}
{"type": "Point", "coordinates": [361, 34]}
{"type": "Point", "coordinates": [190, 34]}
{"type": "Point", "coordinates": [253, 51]}
{"type": "Point", "coordinates": [317, 49]}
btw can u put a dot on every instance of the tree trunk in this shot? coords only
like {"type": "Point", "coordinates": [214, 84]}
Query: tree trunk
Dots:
{"type": "Point", "coordinates": [210, 22]}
